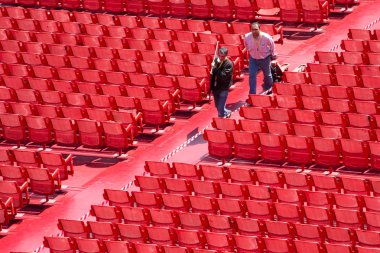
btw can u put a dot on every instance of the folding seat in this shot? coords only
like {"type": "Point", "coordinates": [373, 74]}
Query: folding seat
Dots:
{"type": "Point", "coordinates": [13, 173]}
{"type": "Point", "coordinates": [355, 154]}
{"type": "Point", "coordinates": [154, 112]}
{"type": "Point", "coordinates": [296, 77]}
{"type": "Point", "coordinates": [370, 81]}
{"type": "Point", "coordinates": [325, 183]}
{"type": "Point", "coordinates": [73, 113]}
{"type": "Point", "coordinates": [261, 101]}
{"type": "Point", "coordinates": [193, 221]}
{"type": "Point", "coordinates": [59, 244]}
{"type": "Point", "coordinates": [135, 6]}
{"type": "Point", "coordinates": [359, 34]}
{"type": "Point", "coordinates": [13, 127]}
{"type": "Point", "coordinates": [339, 235]}
{"type": "Point", "coordinates": [332, 132]}
{"type": "Point", "coordinates": [372, 59]}
{"type": "Point", "coordinates": [160, 169]}
{"type": "Point", "coordinates": [326, 152]}
{"type": "Point", "coordinates": [319, 67]}
{"type": "Point", "coordinates": [232, 207]}
{"type": "Point", "coordinates": [291, 196]}
{"type": "Point", "coordinates": [88, 245]}
{"type": "Point", "coordinates": [374, 155]}
{"type": "Point", "coordinates": [372, 220]}
{"type": "Point", "coordinates": [219, 143]}
{"type": "Point", "coordinates": [366, 107]}
{"type": "Point", "coordinates": [102, 101]}
{"type": "Point", "coordinates": [319, 198]}
{"type": "Point", "coordinates": [69, 74]}
{"type": "Point", "coordinates": [360, 134]}
{"type": "Point", "coordinates": [117, 78]}
{"type": "Point", "coordinates": [359, 120]}
{"type": "Point", "coordinates": [92, 41]}
{"type": "Point", "coordinates": [225, 124]}
{"type": "Point", "coordinates": [187, 171]}
{"type": "Point", "coordinates": [77, 99]}
{"type": "Point", "coordinates": [199, 72]}
{"type": "Point", "coordinates": [73, 228]}
{"type": "Point", "coordinates": [279, 128]}
{"type": "Point", "coordinates": [299, 150]}
{"type": "Point", "coordinates": [287, 212]}
{"type": "Point", "coordinates": [48, 111]}
{"type": "Point", "coordinates": [246, 145]}
{"type": "Point", "coordinates": [321, 78]}
{"type": "Point", "coordinates": [256, 113]}
{"type": "Point", "coordinates": [367, 250]}
{"type": "Point", "coordinates": [147, 199]}
{"type": "Point", "coordinates": [276, 245]}
{"type": "Point", "coordinates": [367, 238]}
{"type": "Point", "coordinates": [135, 215]}
{"type": "Point", "coordinates": [10, 189]}
{"type": "Point", "coordinates": [23, 109]}
{"type": "Point", "coordinates": [140, 248]}
{"type": "Point", "coordinates": [127, 118]}
{"type": "Point", "coordinates": [272, 147]}
{"type": "Point", "coordinates": [150, 184]}
{"type": "Point", "coordinates": [327, 57]}
{"type": "Point", "coordinates": [90, 133]}
{"type": "Point", "coordinates": [244, 10]}
{"type": "Point", "coordinates": [43, 182]}
{"type": "Point", "coordinates": [204, 188]}
{"type": "Point", "coordinates": [286, 89]}
{"type": "Point", "coordinates": [200, 204]}
{"type": "Point", "coordinates": [8, 23]}
{"type": "Point", "coordinates": [14, 11]}
{"type": "Point", "coordinates": [341, 105]}
{"type": "Point", "coordinates": [333, 119]}
{"type": "Point", "coordinates": [259, 193]}
{"type": "Point", "coordinates": [189, 238]}
{"type": "Point", "coordinates": [374, 46]}
{"type": "Point", "coordinates": [105, 213]}
{"type": "Point", "coordinates": [346, 201]}
{"type": "Point", "coordinates": [14, 82]}
{"type": "Point", "coordinates": [354, 58]}
{"type": "Point", "coordinates": [117, 246]}
{"type": "Point", "coordinates": [127, 103]}
{"type": "Point", "coordinates": [163, 218]}
{"type": "Point", "coordinates": [247, 226]}
{"type": "Point", "coordinates": [103, 230]}
{"type": "Point", "coordinates": [289, 102]}
{"type": "Point", "coordinates": [356, 186]}
{"type": "Point", "coordinates": [10, 57]}
{"type": "Point", "coordinates": [87, 87]}
{"type": "Point", "coordinates": [39, 129]}
{"type": "Point", "coordinates": [218, 241]}
{"type": "Point", "coordinates": [118, 197]}
{"type": "Point", "coordinates": [290, 11]}
{"type": "Point", "coordinates": [161, 235]}
{"type": "Point", "coordinates": [347, 218]}
{"type": "Point", "coordinates": [92, 5]}
{"type": "Point", "coordinates": [220, 223]}
{"type": "Point", "coordinates": [259, 209]}
{"type": "Point", "coordinates": [175, 202]}
{"type": "Point", "coordinates": [307, 246]}
{"type": "Point", "coordinates": [350, 45]}
{"type": "Point", "coordinates": [317, 215]}
{"type": "Point", "coordinates": [314, 12]}
{"type": "Point", "coordinates": [157, 7]}
{"type": "Point", "coordinates": [365, 94]}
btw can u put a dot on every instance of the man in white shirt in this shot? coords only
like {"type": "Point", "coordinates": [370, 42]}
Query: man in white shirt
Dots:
{"type": "Point", "coordinates": [260, 47]}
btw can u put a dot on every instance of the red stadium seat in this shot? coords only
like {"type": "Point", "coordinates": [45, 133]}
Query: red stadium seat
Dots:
{"type": "Point", "coordinates": [73, 228]}
{"type": "Point", "coordinates": [219, 143]}
{"type": "Point", "coordinates": [43, 182]}
{"type": "Point", "coordinates": [290, 11]}
{"type": "Point", "coordinates": [19, 194]}
{"type": "Point", "coordinates": [60, 244]}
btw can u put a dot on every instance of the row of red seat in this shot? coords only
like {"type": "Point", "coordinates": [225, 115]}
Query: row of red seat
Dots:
{"type": "Point", "coordinates": [314, 103]}
{"type": "Point", "coordinates": [102, 58]}
{"type": "Point", "coordinates": [328, 91]}
{"type": "Point", "coordinates": [226, 9]}
{"type": "Point", "coordinates": [255, 209]}
{"type": "Point", "coordinates": [372, 46]}
{"type": "Point", "coordinates": [259, 176]}
{"type": "Point", "coordinates": [353, 58]}
{"type": "Point", "coordinates": [326, 152]}
{"type": "Point", "coordinates": [304, 130]}
{"type": "Point", "coordinates": [331, 79]}
{"type": "Point", "coordinates": [363, 34]}
{"type": "Point", "coordinates": [190, 242]}
{"type": "Point", "coordinates": [36, 159]}
{"type": "Point", "coordinates": [305, 117]}
{"type": "Point", "coordinates": [98, 76]}
{"type": "Point", "coordinates": [91, 133]}
{"type": "Point", "coordinates": [261, 193]}
{"type": "Point", "coordinates": [47, 21]}
{"type": "Point", "coordinates": [214, 223]}
{"type": "Point", "coordinates": [359, 70]}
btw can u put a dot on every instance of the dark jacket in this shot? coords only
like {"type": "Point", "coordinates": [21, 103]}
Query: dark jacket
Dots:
{"type": "Point", "coordinates": [221, 77]}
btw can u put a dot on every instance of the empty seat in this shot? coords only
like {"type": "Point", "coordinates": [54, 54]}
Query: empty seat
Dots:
{"type": "Point", "coordinates": [43, 182]}
{"type": "Point", "coordinates": [219, 143]}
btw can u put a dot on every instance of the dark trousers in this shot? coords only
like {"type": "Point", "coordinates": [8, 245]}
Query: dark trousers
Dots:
{"type": "Point", "coordinates": [220, 99]}
{"type": "Point", "coordinates": [254, 66]}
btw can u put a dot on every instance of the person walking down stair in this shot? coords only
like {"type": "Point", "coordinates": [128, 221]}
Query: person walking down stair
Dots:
{"type": "Point", "coordinates": [221, 81]}
{"type": "Point", "coordinates": [260, 46]}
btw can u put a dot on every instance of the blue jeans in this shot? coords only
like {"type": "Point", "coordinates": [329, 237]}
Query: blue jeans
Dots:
{"type": "Point", "coordinates": [220, 98]}
{"type": "Point", "coordinates": [254, 66]}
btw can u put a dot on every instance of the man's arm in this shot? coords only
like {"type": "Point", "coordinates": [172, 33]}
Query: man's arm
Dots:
{"type": "Point", "coordinates": [273, 54]}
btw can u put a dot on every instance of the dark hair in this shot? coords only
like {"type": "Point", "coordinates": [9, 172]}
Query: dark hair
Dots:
{"type": "Point", "coordinates": [223, 51]}
{"type": "Point", "coordinates": [255, 23]}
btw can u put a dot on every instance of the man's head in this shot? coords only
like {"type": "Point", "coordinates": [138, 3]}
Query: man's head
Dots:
{"type": "Point", "coordinates": [223, 53]}
{"type": "Point", "coordinates": [255, 29]}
